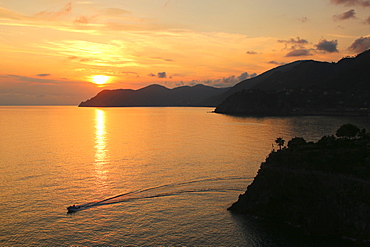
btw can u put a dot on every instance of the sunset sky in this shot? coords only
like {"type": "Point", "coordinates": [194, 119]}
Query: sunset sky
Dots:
{"type": "Point", "coordinates": [52, 50]}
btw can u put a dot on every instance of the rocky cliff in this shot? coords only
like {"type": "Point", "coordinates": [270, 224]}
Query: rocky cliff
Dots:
{"type": "Point", "coordinates": [323, 187]}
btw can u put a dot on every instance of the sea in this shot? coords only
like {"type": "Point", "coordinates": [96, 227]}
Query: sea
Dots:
{"type": "Point", "coordinates": [143, 176]}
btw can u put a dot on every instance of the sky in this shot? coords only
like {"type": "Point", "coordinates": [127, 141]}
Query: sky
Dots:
{"type": "Point", "coordinates": [56, 52]}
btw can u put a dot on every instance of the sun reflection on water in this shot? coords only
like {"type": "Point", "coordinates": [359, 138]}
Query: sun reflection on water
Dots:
{"type": "Point", "coordinates": [101, 158]}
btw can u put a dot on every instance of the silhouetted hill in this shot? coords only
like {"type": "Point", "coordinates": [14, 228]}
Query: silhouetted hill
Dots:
{"type": "Point", "coordinates": [154, 95]}
{"type": "Point", "coordinates": [304, 87]}
{"type": "Point", "coordinates": [250, 83]}
{"type": "Point", "coordinates": [322, 187]}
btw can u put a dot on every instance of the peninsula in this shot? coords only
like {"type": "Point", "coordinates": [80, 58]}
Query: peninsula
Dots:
{"type": "Point", "coordinates": [322, 187]}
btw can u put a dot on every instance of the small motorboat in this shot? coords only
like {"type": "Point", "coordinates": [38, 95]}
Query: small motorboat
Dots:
{"type": "Point", "coordinates": [72, 209]}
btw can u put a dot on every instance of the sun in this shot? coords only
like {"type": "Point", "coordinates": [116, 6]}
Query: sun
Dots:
{"type": "Point", "coordinates": [100, 79]}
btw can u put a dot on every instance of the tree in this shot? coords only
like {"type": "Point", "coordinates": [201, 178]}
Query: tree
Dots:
{"type": "Point", "coordinates": [280, 142]}
{"type": "Point", "coordinates": [347, 131]}
{"type": "Point", "coordinates": [327, 140]}
{"type": "Point", "coordinates": [296, 142]}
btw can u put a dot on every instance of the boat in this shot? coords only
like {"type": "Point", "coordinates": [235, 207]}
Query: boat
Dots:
{"type": "Point", "coordinates": [72, 209]}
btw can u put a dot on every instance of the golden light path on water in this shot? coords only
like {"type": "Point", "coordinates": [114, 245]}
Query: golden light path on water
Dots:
{"type": "Point", "coordinates": [101, 158]}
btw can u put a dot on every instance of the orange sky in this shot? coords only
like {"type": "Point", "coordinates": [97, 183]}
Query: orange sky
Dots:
{"type": "Point", "coordinates": [52, 49]}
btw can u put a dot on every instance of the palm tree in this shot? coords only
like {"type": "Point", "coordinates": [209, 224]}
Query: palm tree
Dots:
{"type": "Point", "coordinates": [280, 142]}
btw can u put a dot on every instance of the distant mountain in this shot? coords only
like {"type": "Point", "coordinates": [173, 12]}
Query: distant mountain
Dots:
{"type": "Point", "coordinates": [304, 87]}
{"type": "Point", "coordinates": [250, 83]}
{"type": "Point", "coordinates": [155, 95]}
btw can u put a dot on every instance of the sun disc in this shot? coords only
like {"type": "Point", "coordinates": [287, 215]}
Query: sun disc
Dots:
{"type": "Point", "coordinates": [100, 79]}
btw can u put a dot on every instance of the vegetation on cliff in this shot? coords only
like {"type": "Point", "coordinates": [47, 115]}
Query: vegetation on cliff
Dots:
{"type": "Point", "coordinates": [323, 186]}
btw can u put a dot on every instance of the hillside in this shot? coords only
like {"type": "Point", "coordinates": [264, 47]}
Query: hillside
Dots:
{"type": "Point", "coordinates": [305, 87]}
{"type": "Point", "coordinates": [154, 95]}
{"type": "Point", "coordinates": [322, 187]}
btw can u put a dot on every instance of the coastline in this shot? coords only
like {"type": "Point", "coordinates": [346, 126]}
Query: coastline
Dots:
{"type": "Point", "coordinates": [322, 187]}
{"type": "Point", "coordinates": [306, 112]}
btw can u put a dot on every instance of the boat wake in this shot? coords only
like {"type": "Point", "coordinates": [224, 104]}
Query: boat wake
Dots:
{"type": "Point", "coordinates": [223, 184]}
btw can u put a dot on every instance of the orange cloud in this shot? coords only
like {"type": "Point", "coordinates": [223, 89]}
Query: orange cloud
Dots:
{"type": "Point", "coordinates": [6, 14]}
{"type": "Point", "coordinates": [346, 15]}
{"type": "Point", "coordinates": [50, 14]}
{"type": "Point", "coordinates": [299, 53]}
{"type": "Point", "coordinates": [360, 45]}
{"type": "Point", "coordinates": [363, 3]}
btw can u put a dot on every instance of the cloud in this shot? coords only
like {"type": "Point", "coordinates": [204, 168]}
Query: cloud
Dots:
{"type": "Point", "coordinates": [82, 20]}
{"type": "Point", "coordinates": [116, 12]}
{"type": "Point", "coordinates": [166, 4]}
{"type": "Point", "coordinates": [163, 59]}
{"type": "Point", "coordinates": [297, 47]}
{"type": "Point", "coordinates": [363, 3]}
{"type": "Point", "coordinates": [251, 52]}
{"type": "Point", "coordinates": [151, 75]}
{"type": "Point", "coordinates": [243, 76]}
{"type": "Point", "coordinates": [20, 78]}
{"type": "Point", "coordinates": [360, 45]}
{"type": "Point", "coordinates": [24, 90]}
{"type": "Point", "coordinates": [110, 19]}
{"type": "Point", "coordinates": [327, 46]}
{"type": "Point", "coordinates": [130, 73]}
{"type": "Point", "coordinates": [299, 41]}
{"type": "Point", "coordinates": [228, 81]}
{"type": "Point", "coordinates": [235, 79]}
{"type": "Point", "coordinates": [221, 82]}
{"type": "Point", "coordinates": [63, 11]}
{"type": "Point", "coordinates": [276, 63]}
{"type": "Point", "coordinates": [8, 14]}
{"type": "Point", "coordinates": [367, 21]}
{"type": "Point", "coordinates": [298, 53]}
{"type": "Point", "coordinates": [346, 15]}
{"type": "Point", "coordinates": [162, 75]}
{"type": "Point", "coordinates": [79, 59]}
{"type": "Point", "coordinates": [303, 19]}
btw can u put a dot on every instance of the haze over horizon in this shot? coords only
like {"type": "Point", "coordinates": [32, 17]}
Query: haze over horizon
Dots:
{"type": "Point", "coordinates": [63, 52]}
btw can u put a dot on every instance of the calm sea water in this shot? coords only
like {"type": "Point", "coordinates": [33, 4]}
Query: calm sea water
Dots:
{"type": "Point", "coordinates": [177, 169]}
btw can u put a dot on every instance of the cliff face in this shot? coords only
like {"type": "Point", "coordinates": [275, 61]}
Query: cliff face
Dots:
{"type": "Point", "coordinates": [323, 187]}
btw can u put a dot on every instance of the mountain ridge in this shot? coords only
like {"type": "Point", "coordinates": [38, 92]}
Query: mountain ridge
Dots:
{"type": "Point", "coordinates": [154, 95]}
{"type": "Point", "coordinates": [303, 87]}
{"type": "Point", "coordinates": [307, 88]}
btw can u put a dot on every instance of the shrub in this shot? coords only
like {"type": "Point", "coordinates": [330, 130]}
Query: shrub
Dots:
{"type": "Point", "coordinates": [348, 131]}
{"type": "Point", "coordinates": [296, 142]}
